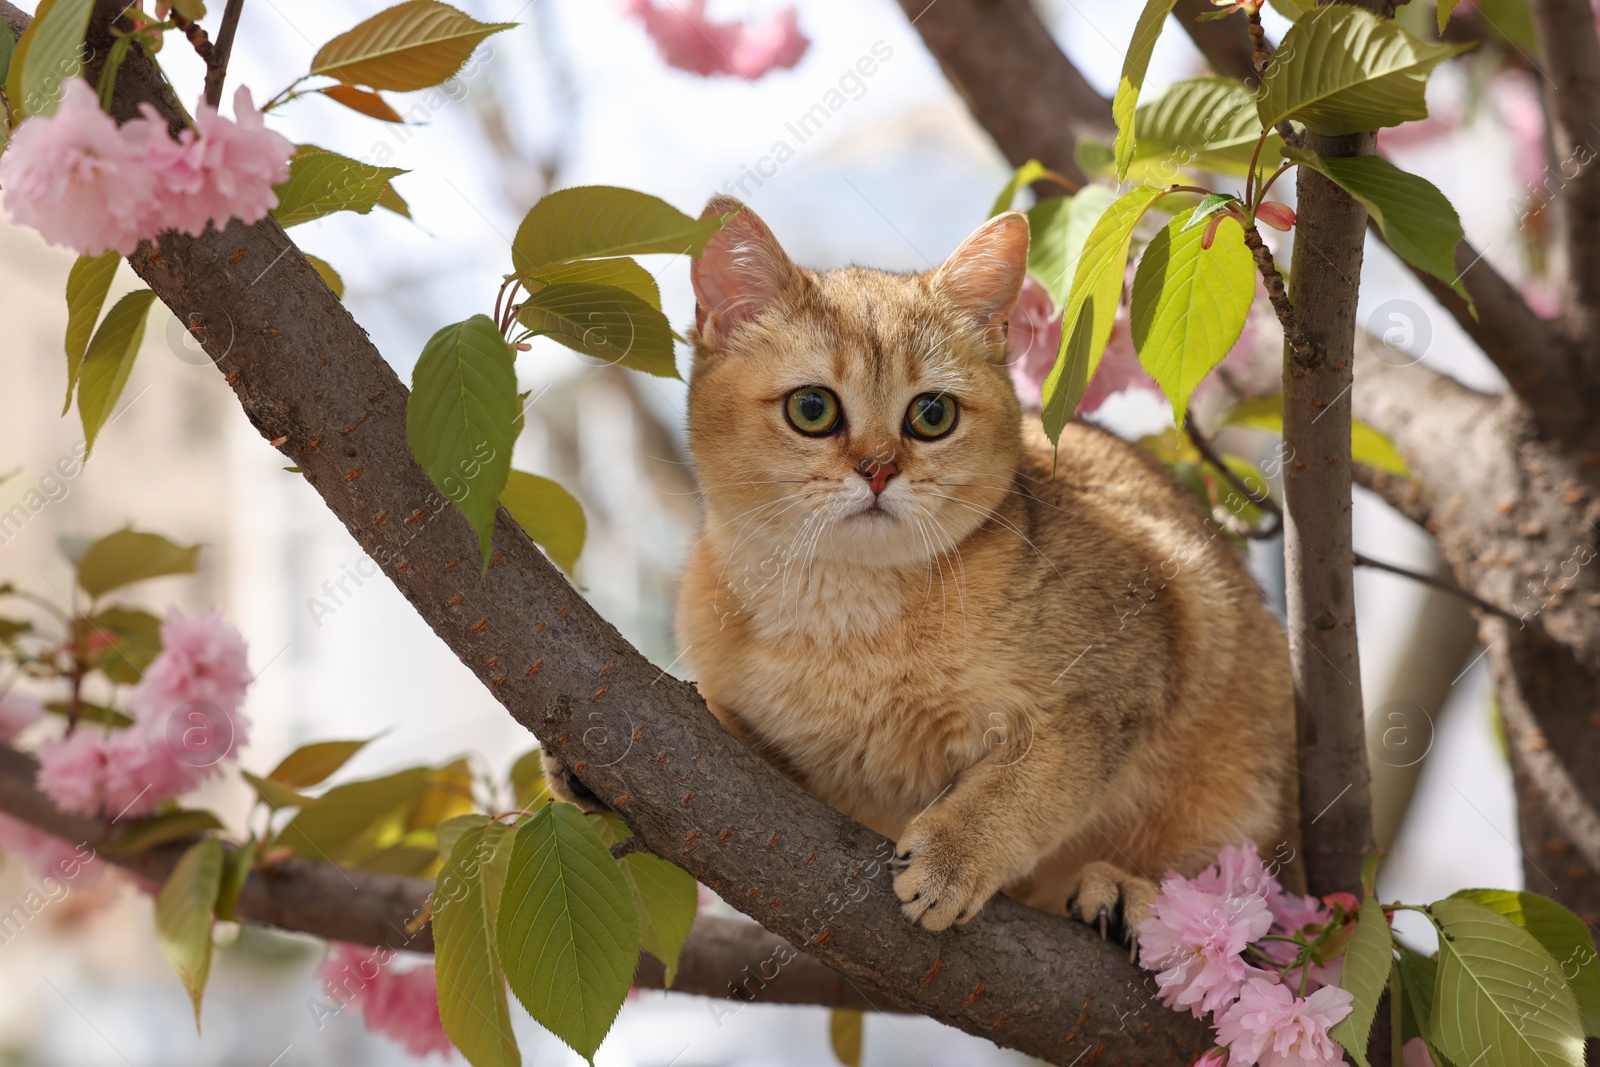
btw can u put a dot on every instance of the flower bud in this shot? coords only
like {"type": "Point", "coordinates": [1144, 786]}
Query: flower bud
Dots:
{"type": "Point", "coordinates": [1278, 216]}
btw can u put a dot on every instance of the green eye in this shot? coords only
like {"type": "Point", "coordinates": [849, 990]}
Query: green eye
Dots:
{"type": "Point", "coordinates": [812, 410]}
{"type": "Point", "coordinates": [931, 415]}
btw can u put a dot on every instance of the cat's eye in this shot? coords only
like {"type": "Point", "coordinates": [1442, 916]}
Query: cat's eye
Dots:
{"type": "Point", "coordinates": [813, 411]}
{"type": "Point", "coordinates": [932, 415]}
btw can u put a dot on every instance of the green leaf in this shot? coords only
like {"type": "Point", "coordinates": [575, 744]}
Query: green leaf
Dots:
{"type": "Point", "coordinates": [1209, 205]}
{"type": "Point", "coordinates": [87, 712]}
{"type": "Point", "coordinates": [8, 48]}
{"type": "Point", "coordinates": [128, 556]}
{"type": "Point", "coordinates": [1370, 446]}
{"type": "Point", "coordinates": [666, 899]}
{"type": "Point", "coordinates": [134, 641]}
{"type": "Point", "coordinates": [87, 285]}
{"type": "Point", "coordinates": [409, 46]}
{"type": "Point", "coordinates": [109, 360]}
{"type": "Point", "coordinates": [332, 830]}
{"type": "Point", "coordinates": [451, 831]}
{"type": "Point", "coordinates": [1417, 975]}
{"type": "Point", "coordinates": [550, 515]}
{"type": "Point", "coordinates": [1091, 307]}
{"type": "Point", "coordinates": [1417, 221]}
{"type": "Point", "coordinates": [461, 418]}
{"type": "Point", "coordinates": [1445, 8]}
{"type": "Point", "coordinates": [472, 985]}
{"type": "Point", "coordinates": [277, 795]}
{"type": "Point", "coordinates": [605, 322]}
{"type": "Point", "coordinates": [367, 103]}
{"type": "Point", "coordinates": [1027, 174]}
{"type": "Point", "coordinates": [390, 200]}
{"type": "Point", "coordinates": [1490, 993]}
{"type": "Point", "coordinates": [183, 916]}
{"type": "Point", "coordinates": [1210, 123]}
{"type": "Point", "coordinates": [48, 55]}
{"type": "Point", "coordinates": [236, 866]}
{"type": "Point", "coordinates": [448, 795]}
{"type": "Point", "coordinates": [1511, 20]}
{"type": "Point", "coordinates": [1367, 961]}
{"type": "Point", "coordinates": [327, 273]}
{"type": "Point", "coordinates": [567, 930]}
{"type": "Point", "coordinates": [1189, 305]}
{"type": "Point", "coordinates": [321, 182]}
{"type": "Point", "coordinates": [1058, 227]}
{"type": "Point", "coordinates": [1564, 936]}
{"type": "Point", "coordinates": [1342, 69]}
{"type": "Point", "coordinates": [1293, 10]}
{"type": "Point", "coordinates": [844, 1036]}
{"type": "Point", "coordinates": [311, 764]}
{"type": "Point", "coordinates": [527, 780]}
{"type": "Point", "coordinates": [597, 221]}
{"type": "Point", "coordinates": [160, 829]}
{"type": "Point", "coordinates": [622, 272]}
{"type": "Point", "coordinates": [1135, 63]}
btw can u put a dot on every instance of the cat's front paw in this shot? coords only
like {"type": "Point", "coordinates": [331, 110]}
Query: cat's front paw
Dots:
{"type": "Point", "coordinates": [1111, 899]}
{"type": "Point", "coordinates": [944, 874]}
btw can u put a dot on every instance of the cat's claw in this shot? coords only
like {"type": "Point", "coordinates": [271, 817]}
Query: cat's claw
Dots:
{"type": "Point", "coordinates": [941, 877]}
{"type": "Point", "coordinates": [1112, 897]}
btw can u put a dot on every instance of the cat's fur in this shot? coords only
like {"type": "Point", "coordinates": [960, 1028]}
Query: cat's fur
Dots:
{"type": "Point", "coordinates": [1057, 685]}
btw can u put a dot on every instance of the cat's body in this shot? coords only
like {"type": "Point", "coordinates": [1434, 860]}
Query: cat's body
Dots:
{"type": "Point", "coordinates": [1056, 684]}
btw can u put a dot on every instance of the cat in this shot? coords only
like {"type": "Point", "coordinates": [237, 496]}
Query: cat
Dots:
{"type": "Point", "coordinates": [1039, 672]}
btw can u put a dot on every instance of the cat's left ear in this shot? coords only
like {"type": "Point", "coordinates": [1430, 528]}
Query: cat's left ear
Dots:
{"type": "Point", "coordinates": [984, 276]}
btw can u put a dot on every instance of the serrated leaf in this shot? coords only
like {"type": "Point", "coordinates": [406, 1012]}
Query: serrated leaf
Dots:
{"type": "Point", "coordinates": [567, 930]}
{"type": "Point", "coordinates": [161, 829]}
{"type": "Point", "coordinates": [90, 712]}
{"type": "Point", "coordinates": [844, 1036]}
{"type": "Point", "coordinates": [109, 360]}
{"type": "Point", "coordinates": [127, 556]}
{"type": "Point", "coordinates": [410, 46]}
{"type": "Point", "coordinates": [1027, 174]}
{"type": "Point", "coordinates": [549, 514]}
{"type": "Point", "coordinates": [448, 795]}
{"type": "Point", "coordinates": [1210, 123]}
{"type": "Point", "coordinates": [1342, 69]}
{"type": "Point", "coordinates": [321, 182]}
{"type": "Point", "coordinates": [333, 829]}
{"type": "Point", "coordinates": [622, 272]}
{"type": "Point", "coordinates": [1293, 10]}
{"type": "Point", "coordinates": [236, 866]}
{"type": "Point", "coordinates": [390, 200]}
{"type": "Point", "coordinates": [277, 795]}
{"type": "Point", "coordinates": [1370, 446]}
{"type": "Point", "coordinates": [1135, 64]}
{"type": "Point", "coordinates": [1488, 993]}
{"type": "Point", "coordinates": [132, 639]}
{"type": "Point", "coordinates": [366, 102]}
{"type": "Point", "coordinates": [599, 221]}
{"type": "Point", "coordinates": [450, 831]}
{"type": "Point", "coordinates": [605, 322]}
{"type": "Point", "coordinates": [666, 899]}
{"type": "Point", "coordinates": [1058, 227]}
{"type": "Point", "coordinates": [1417, 221]}
{"type": "Point", "coordinates": [1209, 205]}
{"type": "Point", "coordinates": [8, 48]}
{"type": "Point", "coordinates": [527, 780]}
{"type": "Point", "coordinates": [1189, 305]}
{"type": "Point", "coordinates": [47, 56]}
{"type": "Point", "coordinates": [311, 764]}
{"type": "Point", "coordinates": [1367, 961]}
{"type": "Point", "coordinates": [1091, 307]}
{"type": "Point", "coordinates": [461, 418]}
{"type": "Point", "coordinates": [329, 276]}
{"type": "Point", "coordinates": [472, 985]}
{"type": "Point", "coordinates": [1445, 8]}
{"type": "Point", "coordinates": [1564, 936]}
{"type": "Point", "coordinates": [183, 916]}
{"type": "Point", "coordinates": [87, 285]}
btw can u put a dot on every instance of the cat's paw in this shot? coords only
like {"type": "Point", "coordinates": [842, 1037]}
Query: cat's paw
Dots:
{"type": "Point", "coordinates": [565, 785]}
{"type": "Point", "coordinates": [1112, 900]}
{"type": "Point", "coordinates": [944, 874]}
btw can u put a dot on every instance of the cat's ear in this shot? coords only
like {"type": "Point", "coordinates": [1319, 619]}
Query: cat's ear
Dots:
{"type": "Point", "coordinates": [984, 276]}
{"type": "Point", "coordinates": [741, 273]}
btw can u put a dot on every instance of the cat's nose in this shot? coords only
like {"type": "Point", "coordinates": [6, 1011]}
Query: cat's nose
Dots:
{"type": "Point", "coordinates": [877, 473]}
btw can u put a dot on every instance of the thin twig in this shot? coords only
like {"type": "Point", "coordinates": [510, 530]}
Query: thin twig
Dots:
{"type": "Point", "coordinates": [1444, 585]}
{"type": "Point", "coordinates": [628, 847]}
{"type": "Point", "coordinates": [217, 64]}
{"type": "Point", "coordinates": [1260, 51]}
{"type": "Point", "coordinates": [1263, 501]}
{"type": "Point", "coordinates": [1304, 352]}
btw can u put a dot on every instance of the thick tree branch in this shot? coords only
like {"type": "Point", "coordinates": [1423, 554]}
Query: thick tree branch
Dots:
{"type": "Point", "coordinates": [1223, 42]}
{"type": "Point", "coordinates": [306, 374]}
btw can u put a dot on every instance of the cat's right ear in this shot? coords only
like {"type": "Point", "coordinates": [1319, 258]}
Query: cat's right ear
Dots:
{"type": "Point", "coordinates": [742, 272]}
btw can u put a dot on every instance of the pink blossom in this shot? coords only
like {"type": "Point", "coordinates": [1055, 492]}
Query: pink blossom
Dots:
{"type": "Point", "coordinates": [1215, 1058]}
{"type": "Point", "coordinates": [18, 711]}
{"type": "Point", "coordinates": [401, 1004]}
{"type": "Point", "coordinates": [1269, 1025]}
{"type": "Point", "coordinates": [1033, 341]}
{"type": "Point", "coordinates": [1194, 940]}
{"type": "Point", "coordinates": [688, 40]}
{"type": "Point", "coordinates": [202, 658]}
{"type": "Point", "coordinates": [73, 177]}
{"type": "Point", "coordinates": [117, 775]}
{"type": "Point", "coordinates": [223, 169]}
{"type": "Point", "coordinates": [1415, 1054]}
{"type": "Point", "coordinates": [47, 854]}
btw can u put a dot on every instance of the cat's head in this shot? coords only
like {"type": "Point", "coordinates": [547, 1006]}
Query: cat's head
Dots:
{"type": "Point", "coordinates": [853, 415]}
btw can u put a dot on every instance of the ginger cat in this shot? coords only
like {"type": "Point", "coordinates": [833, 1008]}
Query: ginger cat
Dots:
{"type": "Point", "coordinates": [1054, 687]}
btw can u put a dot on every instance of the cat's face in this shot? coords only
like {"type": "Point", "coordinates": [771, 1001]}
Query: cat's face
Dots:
{"type": "Point", "coordinates": [852, 416]}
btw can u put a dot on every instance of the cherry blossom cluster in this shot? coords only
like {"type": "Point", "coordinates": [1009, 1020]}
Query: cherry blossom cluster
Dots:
{"type": "Point", "coordinates": [186, 721]}
{"type": "Point", "coordinates": [84, 182]}
{"type": "Point", "coordinates": [1263, 962]}
{"type": "Point", "coordinates": [688, 40]}
{"type": "Point", "coordinates": [400, 1003]}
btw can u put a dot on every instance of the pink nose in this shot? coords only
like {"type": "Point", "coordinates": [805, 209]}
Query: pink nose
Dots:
{"type": "Point", "coordinates": [877, 472]}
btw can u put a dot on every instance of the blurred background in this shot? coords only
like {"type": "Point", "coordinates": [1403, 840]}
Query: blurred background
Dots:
{"type": "Point", "coordinates": [576, 94]}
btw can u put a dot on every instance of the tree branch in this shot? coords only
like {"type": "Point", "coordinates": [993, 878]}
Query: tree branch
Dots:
{"type": "Point", "coordinates": [217, 64]}
{"type": "Point", "coordinates": [306, 374]}
{"type": "Point", "coordinates": [1224, 42]}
